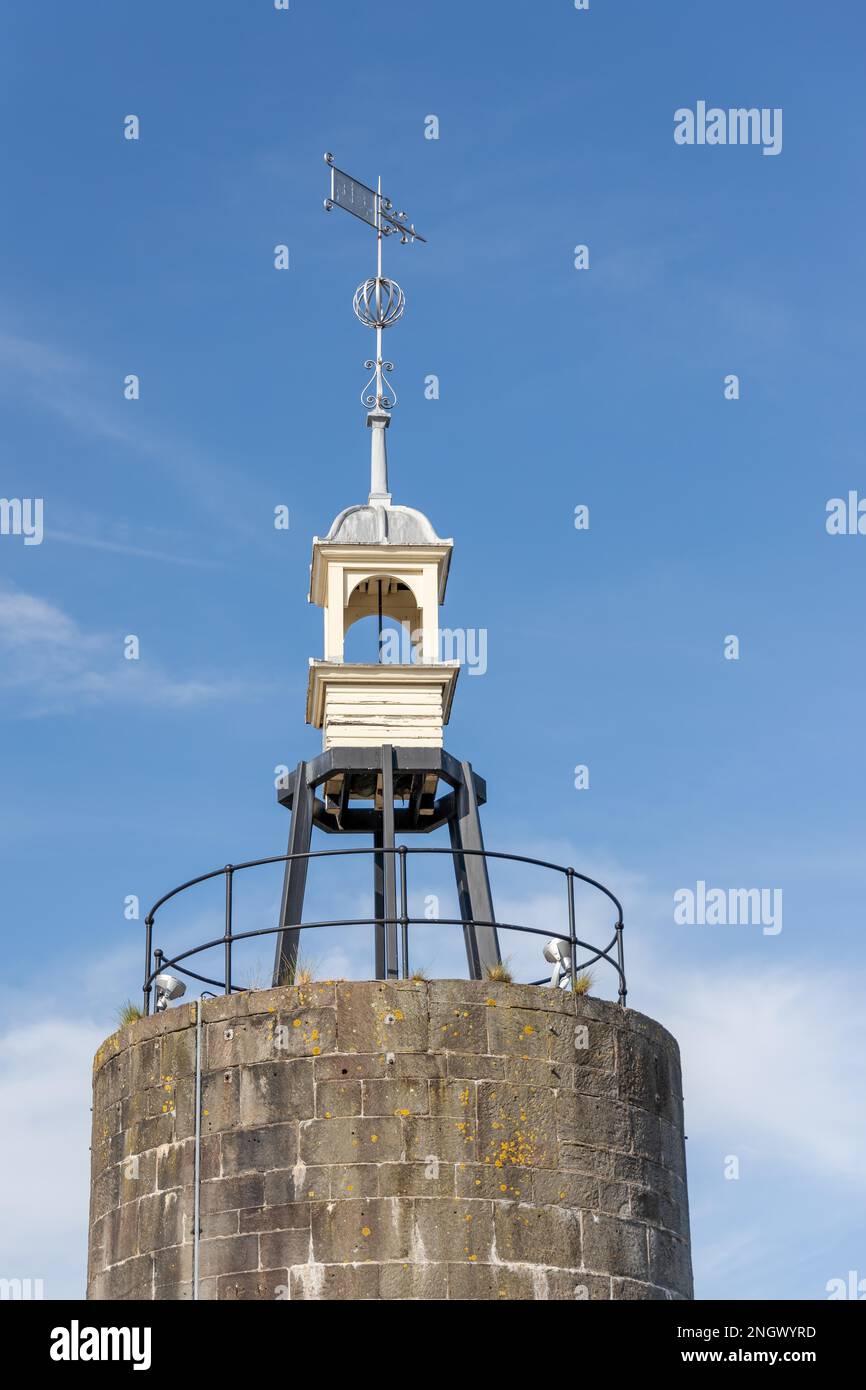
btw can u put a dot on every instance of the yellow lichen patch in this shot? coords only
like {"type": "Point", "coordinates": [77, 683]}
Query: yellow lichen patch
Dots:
{"type": "Point", "coordinates": [296, 1023]}
{"type": "Point", "coordinates": [316, 1051]}
{"type": "Point", "coordinates": [374, 1138]}
{"type": "Point", "coordinates": [398, 1014]}
{"type": "Point", "coordinates": [528, 1029]}
{"type": "Point", "coordinates": [314, 1035]}
{"type": "Point", "coordinates": [491, 1002]}
{"type": "Point", "coordinates": [464, 1097]}
{"type": "Point", "coordinates": [327, 1114]}
{"type": "Point", "coordinates": [518, 1151]}
{"type": "Point", "coordinates": [365, 1231]}
{"type": "Point", "coordinates": [402, 1112]}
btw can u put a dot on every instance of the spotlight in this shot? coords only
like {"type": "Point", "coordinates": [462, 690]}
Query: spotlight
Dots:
{"type": "Point", "coordinates": [558, 953]}
{"type": "Point", "coordinates": [167, 987]}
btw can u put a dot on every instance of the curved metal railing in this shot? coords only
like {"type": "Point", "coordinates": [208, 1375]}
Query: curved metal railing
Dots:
{"type": "Point", "coordinates": [156, 960]}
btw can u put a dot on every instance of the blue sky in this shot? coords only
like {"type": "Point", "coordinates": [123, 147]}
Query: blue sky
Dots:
{"type": "Point", "coordinates": [559, 387]}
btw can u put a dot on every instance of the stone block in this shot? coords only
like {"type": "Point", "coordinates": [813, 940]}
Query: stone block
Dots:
{"type": "Point", "coordinates": [523, 1231]}
{"type": "Point", "coordinates": [228, 1255]}
{"type": "Point", "coordinates": [499, 1283]}
{"type": "Point", "coordinates": [351, 1140]}
{"type": "Point", "coordinates": [130, 1280]}
{"type": "Point", "coordinates": [297, 1184]}
{"type": "Point", "coordinates": [291, 1216]}
{"type": "Point", "coordinates": [260, 1286]}
{"type": "Point", "coordinates": [578, 1286]}
{"type": "Point", "coordinates": [670, 1262]}
{"type": "Point", "coordinates": [427, 1283]}
{"type": "Point", "coordinates": [357, 1180]}
{"type": "Point", "coordinates": [630, 1291]}
{"type": "Point", "coordinates": [137, 1175]}
{"type": "Point", "coordinates": [275, 1091]}
{"type": "Point", "coordinates": [615, 1199]}
{"type": "Point", "coordinates": [356, 1232]}
{"type": "Point", "coordinates": [445, 1137]}
{"type": "Point", "coordinates": [160, 1220]}
{"type": "Point", "coordinates": [335, 1282]}
{"type": "Point", "coordinates": [341, 1097]}
{"type": "Point", "coordinates": [349, 1066]}
{"type": "Point", "coordinates": [218, 1223]}
{"type": "Point", "coordinates": [259, 1150]}
{"type": "Point", "coordinates": [230, 1194]}
{"type": "Point", "coordinates": [454, 1096]}
{"type": "Point", "coordinates": [121, 1234]}
{"type": "Point", "coordinates": [220, 1100]}
{"type": "Point", "coordinates": [648, 1076]}
{"type": "Point", "coordinates": [433, 1179]}
{"type": "Point", "coordinates": [459, 1029]}
{"type": "Point", "coordinates": [474, 1066]}
{"type": "Point", "coordinates": [172, 1265]}
{"type": "Point", "coordinates": [500, 1184]}
{"type": "Point", "coordinates": [290, 1247]}
{"type": "Point", "coordinates": [400, 1097]}
{"type": "Point", "coordinates": [616, 1247]}
{"type": "Point", "coordinates": [379, 1016]}
{"type": "Point", "coordinates": [516, 1125]}
{"type": "Point", "coordinates": [592, 1120]}
{"type": "Point", "coordinates": [177, 1055]}
{"type": "Point", "coordinates": [551, 1187]}
{"type": "Point", "coordinates": [459, 1229]}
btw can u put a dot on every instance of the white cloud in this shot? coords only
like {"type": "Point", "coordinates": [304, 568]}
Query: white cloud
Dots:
{"type": "Point", "coordinates": [772, 1057]}
{"type": "Point", "coordinates": [55, 665]}
{"type": "Point", "coordinates": [45, 1159]}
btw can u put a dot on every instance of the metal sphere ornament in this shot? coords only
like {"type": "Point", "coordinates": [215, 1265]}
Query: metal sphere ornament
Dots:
{"type": "Point", "coordinates": [379, 302]}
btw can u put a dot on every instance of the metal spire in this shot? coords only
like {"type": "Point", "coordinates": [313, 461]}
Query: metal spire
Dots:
{"type": "Point", "coordinates": [378, 303]}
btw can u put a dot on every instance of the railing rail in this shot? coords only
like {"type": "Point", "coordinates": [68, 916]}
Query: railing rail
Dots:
{"type": "Point", "coordinates": [156, 960]}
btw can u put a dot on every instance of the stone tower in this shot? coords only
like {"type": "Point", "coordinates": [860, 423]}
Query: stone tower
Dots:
{"type": "Point", "coordinates": [398, 1137]}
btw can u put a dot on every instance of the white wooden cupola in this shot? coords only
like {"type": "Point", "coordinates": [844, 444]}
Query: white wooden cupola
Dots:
{"type": "Point", "coordinates": [380, 554]}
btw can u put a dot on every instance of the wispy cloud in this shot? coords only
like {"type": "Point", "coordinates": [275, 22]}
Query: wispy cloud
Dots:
{"type": "Point", "coordinates": [118, 547]}
{"type": "Point", "coordinates": [66, 385]}
{"type": "Point", "coordinates": [51, 664]}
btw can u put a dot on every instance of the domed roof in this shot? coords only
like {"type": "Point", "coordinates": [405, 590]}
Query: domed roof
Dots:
{"type": "Point", "coordinates": [382, 525]}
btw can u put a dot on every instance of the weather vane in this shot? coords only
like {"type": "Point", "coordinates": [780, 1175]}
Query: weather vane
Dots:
{"type": "Point", "coordinates": [379, 302]}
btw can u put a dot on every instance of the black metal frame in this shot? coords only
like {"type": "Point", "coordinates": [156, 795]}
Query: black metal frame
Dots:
{"type": "Point", "coordinates": [394, 915]}
{"type": "Point", "coordinates": [382, 775]}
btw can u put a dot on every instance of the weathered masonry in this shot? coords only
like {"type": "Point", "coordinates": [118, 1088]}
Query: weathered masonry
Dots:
{"type": "Point", "coordinates": [409, 1140]}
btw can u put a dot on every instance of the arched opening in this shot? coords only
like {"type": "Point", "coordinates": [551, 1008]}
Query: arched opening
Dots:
{"type": "Point", "coordinates": [382, 622]}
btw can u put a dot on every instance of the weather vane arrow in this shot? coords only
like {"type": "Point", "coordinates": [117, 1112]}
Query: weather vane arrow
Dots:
{"type": "Point", "coordinates": [378, 302]}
